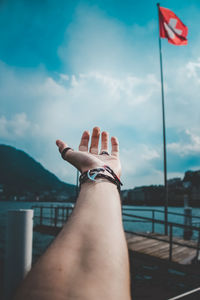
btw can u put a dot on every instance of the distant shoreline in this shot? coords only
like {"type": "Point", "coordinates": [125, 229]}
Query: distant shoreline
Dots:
{"type": "Point", "coordinates": [124, 203]}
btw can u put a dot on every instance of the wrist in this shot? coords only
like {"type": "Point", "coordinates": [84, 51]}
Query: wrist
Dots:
{"type": "Point", "coordinates": [104, 173]}
{"type": "Point", "coordinates": [100, 185]}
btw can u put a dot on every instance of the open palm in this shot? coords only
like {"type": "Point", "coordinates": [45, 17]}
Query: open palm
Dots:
{"type": "Point", "coordinates": [89, 158]}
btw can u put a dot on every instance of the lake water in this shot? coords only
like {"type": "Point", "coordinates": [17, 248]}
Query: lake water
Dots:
{"type": "Point", "coordinates": [41, 241]}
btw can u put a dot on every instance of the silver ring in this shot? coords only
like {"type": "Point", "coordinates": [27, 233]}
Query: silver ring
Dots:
{"type": "Point", "coordinates": [104, 152]}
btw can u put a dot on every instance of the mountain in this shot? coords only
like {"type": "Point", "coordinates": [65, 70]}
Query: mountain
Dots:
{"type": "Point", "coordinates": [20, 174]}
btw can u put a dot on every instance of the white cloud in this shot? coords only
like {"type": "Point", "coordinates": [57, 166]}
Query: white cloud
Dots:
{"type": "Point", "coordinates": [59, 110]}
{"type": "Point", "coordinates": [63, 108]}
{"type": "Point", "coordinates": [64, 77]}
{"type": "Point", "coordinates": [96, 42]}
{"type": "Point", "coordinates": [190, 145]}
{"type": "Point", "coordinates": [139, 161]}
{"type": "Point", "coordinates": [114, 83]}
{"type": "Point", "coordinates": [193, 69]}
{"type": "Point", "coordinates": [17, 127]}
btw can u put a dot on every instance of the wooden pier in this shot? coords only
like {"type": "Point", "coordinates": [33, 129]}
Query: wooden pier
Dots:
{"type": "Point", "coordinates": [159, 264]}
{"type": "Point", "coordinates": [182, 250]}
{"type": "Point", "coordinates": [50, 219]}
{"type": "Point", "coordinates": [158, 246]}
{"type": "Point", "coordinates": [163, 266]}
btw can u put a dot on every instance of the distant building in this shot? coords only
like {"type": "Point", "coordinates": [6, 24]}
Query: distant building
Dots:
{"type": "Point", "coordinates": [146, 195]}
{"type": "Point", "coordinates": [1, 188]}
{"type": "Point", "coordinates": [2, 194]}
{"type": "Point", "coordinates": [174, 182]}
{"type": "Point", "coordinates": [137, 194]}
{"type": "Point", "coordinates": [177, 188]}
{"type": "Point", "coordinates": [124, 194]}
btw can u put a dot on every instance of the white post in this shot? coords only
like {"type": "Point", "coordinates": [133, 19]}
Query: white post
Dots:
{"type": "Point", "coordinates": [18, 252]}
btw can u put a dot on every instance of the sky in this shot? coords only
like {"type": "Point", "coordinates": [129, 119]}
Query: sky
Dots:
{"type": "Point", "coordinates": [68, 65]}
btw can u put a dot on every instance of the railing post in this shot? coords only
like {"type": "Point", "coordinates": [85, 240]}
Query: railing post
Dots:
{"type": "Point", "coordinates": [153, 219]}
{"type": "Point", "coordinates": [41, 215]}
{"type": "Point", "coordinates": [170, 241]}
{"type": "Point", "coordinates": [67, 216]}
{"type": "Point", "coordinates": [198, 246]}
{"type": "Point", "coordinates": [51, 214]}
{"type": "Point", "coordinates": [63, 216]}
{"type": "Point", "coordinates": [56, 216]}
{"type": "Point", "coordinates": [18, 251]}
{"type": "Point", "coordinates": [188, 223]}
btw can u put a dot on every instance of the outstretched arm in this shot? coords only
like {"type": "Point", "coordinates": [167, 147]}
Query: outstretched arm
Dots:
{"type": "Point", "coordinates": [89, 258]}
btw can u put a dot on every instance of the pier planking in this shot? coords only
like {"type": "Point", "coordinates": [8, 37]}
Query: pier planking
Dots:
{"type": "Point", "coordinates": [160, 249]}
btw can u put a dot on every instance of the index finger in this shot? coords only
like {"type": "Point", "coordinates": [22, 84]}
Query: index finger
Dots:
{"type": "Point", "coordinates": [62, 146]}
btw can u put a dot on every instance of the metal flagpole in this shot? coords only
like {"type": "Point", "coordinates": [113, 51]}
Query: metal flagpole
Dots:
{"type": "Point", "coordinates": [164, 134]}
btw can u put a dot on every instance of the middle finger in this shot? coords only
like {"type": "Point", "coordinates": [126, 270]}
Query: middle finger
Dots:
{"type": "Point", "coordinates": [95, 140]}
{"type": "Point", "coordinates": [104, 141]}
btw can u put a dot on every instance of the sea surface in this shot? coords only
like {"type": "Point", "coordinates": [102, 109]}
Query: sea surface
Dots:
{"type": "Point", "coordinates": [41, 241]}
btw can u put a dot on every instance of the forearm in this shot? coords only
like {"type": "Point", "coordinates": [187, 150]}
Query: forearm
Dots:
{"type": "Point", "coordinates": [89, 258]}
{"type": "Point", "coordinates": [98, 223]}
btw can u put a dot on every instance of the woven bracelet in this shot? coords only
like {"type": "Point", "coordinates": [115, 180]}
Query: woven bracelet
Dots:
{"type": "Point", "coordinates": [94, 175]}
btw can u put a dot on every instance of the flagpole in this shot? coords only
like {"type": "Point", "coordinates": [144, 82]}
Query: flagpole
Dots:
{"type": "Point", "coordinates": [164, 132]}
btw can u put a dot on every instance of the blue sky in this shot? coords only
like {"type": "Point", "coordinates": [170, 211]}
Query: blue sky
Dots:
{"type": "Point", "coordinates": [66, 66]}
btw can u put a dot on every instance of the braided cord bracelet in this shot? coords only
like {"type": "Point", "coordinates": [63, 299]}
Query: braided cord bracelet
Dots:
{"type": "Point", "coordinates": [95, 174]}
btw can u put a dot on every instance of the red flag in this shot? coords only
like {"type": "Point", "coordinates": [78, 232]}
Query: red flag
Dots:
{"type": "Point", "coordinates": [171, 27]}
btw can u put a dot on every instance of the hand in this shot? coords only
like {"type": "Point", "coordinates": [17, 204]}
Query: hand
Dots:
{"type": "Point", "coordinates": [84, 160]}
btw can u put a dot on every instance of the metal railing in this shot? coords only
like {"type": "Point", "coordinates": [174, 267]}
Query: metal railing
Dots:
{"type": "Point", "coordinates": [195, 293]}
{"type": "Point", "coordinates": [54, 216]}
{"type": "Point", "coordinates": [137, 218]}
{"type": "Point", "coordinates": [154, 211]}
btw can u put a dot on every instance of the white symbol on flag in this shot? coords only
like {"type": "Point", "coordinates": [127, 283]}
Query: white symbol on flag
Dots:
{"type": "Point", "coordinates": [171, 28]}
